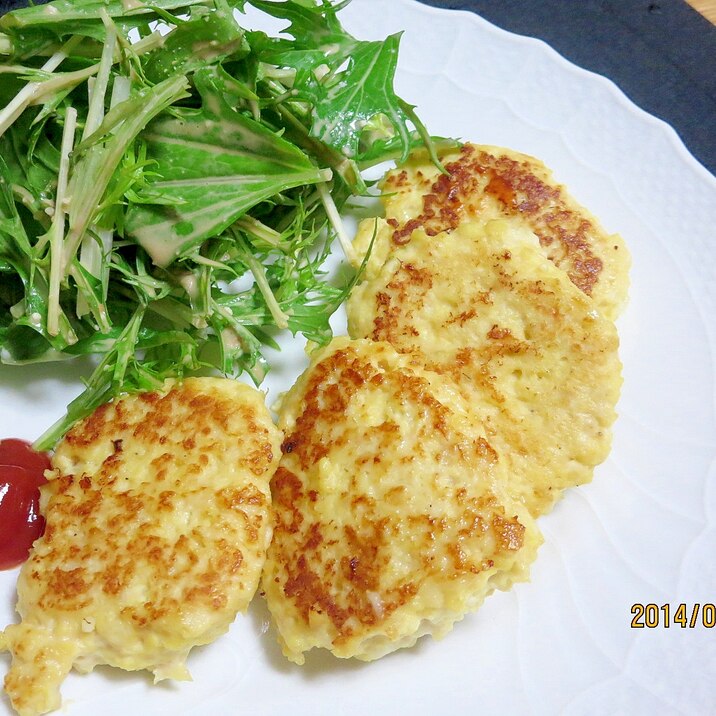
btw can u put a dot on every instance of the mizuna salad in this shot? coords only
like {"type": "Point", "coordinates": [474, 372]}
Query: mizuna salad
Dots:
{"type": "Point", "coordinates": [171, 183]}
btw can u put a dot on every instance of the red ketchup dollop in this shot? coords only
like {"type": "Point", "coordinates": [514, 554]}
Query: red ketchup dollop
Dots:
{"type": "Point", "coordinates": [21, 474]}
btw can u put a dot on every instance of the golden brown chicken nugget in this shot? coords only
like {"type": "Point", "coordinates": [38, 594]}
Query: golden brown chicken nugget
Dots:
{"type": "Point", "coordinates": [157, 530]}
{"type": "Point", "coordinates": [484, 183]}
{"type": "Point", "coordinates": [528, 349]}
{"type": "Point", "coordinates": [391, 517]}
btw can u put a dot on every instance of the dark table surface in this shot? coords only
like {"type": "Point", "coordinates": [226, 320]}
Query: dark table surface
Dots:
{"type": "Point", "coordinates": [661, 53]}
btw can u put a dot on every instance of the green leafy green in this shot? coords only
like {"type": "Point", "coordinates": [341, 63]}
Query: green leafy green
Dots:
{"type": "Point", "coordinates": [171, 183]}
{"type": "Point", "coordinates": [215, 164]}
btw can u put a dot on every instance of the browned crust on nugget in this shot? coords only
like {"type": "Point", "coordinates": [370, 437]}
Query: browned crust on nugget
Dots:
{"type": "Point", "coordinates": [331, 570]}
{"type": "Point", "coordinates": [521, 189]}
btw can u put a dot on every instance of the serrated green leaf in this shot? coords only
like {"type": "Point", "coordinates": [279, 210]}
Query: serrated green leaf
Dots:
{"type": "Point", "coordinates": [215, 164]}
{"type": "Point", "coordinates": [196, 43]}
{"type": "Point", "coordinates": [344, 106]}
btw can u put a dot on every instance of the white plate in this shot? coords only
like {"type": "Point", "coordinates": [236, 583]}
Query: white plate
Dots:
{"type": "Point", "coordinates": [643, 532]}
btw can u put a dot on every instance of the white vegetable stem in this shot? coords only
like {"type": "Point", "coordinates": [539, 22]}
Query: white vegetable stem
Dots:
{"type": "Point", "coordinates": [94, 248]}
{"type": "Point", "coordinates": [57, 230]}
{"type": "Point", "coordinates": [257, 269]}
{"type": "Point", "coordinates": [30, 91]}
{"type": "Point", "coordinates": [337, 223]}
{"type": "Point", "coordinates": [253, 227]}
{"type": "Point", "coordinates": [36, 92]}
{"type": "Point", "coordinates": [94, 170]}
{"type": "Point", "coordinates": [98, 89]}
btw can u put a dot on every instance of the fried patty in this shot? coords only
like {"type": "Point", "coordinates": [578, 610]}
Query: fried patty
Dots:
{"type": "Point", "coordinates": [484, 183]}
{"type": "Point", "coordinates": [158, 522]}
{"type": "Point", "coordinates": [484, 306]}
{"type": "Point", "coordinates": [391, 517]}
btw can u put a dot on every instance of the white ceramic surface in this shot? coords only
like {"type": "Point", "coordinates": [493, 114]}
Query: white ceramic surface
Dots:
{"type": "Point", "coordinates": [643, 532]}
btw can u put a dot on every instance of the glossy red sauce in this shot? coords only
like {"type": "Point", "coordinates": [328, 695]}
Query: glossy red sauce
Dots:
{"type": "Point", "coordinates": [21, 474]}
